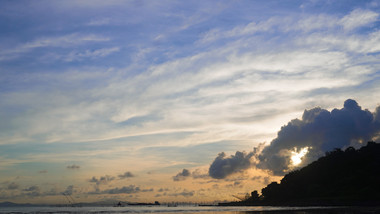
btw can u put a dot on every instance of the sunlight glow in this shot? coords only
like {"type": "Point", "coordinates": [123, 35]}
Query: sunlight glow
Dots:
{"type": "Point", "coordinates": [296, 157]}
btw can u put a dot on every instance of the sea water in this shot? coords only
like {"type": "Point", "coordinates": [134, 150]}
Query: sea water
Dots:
{"type": "Point", "coordinates": [178, 209]}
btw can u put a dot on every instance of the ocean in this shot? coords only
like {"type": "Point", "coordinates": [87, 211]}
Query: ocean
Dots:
{"type": "Point", "coordinates": [190, 210]}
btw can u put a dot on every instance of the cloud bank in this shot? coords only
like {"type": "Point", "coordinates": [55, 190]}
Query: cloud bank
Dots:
{"type": "Point", "coordinates": [319, 130]}
{"type": "Point", "coordinates": [123, 190]}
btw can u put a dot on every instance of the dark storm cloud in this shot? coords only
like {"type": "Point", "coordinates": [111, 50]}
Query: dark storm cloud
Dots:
{"type": "Point", "coordinates": [320, 130]}
{"type": "Point", "coordinates": [126, 175]}
{"type": "Point", "coordinates": [73, 167]}
{"type": "Point", "coordinates": [182, 175]}
{"type": "Point", "coordinates": [224, 166]}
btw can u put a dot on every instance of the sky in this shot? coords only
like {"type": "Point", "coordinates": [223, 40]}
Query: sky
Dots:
{"type": "Point", "coordinates": [195, 101]}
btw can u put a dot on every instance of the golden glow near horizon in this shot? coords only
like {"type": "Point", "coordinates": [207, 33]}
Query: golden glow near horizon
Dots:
{"type": "Point", "coordinates": [296, 157]}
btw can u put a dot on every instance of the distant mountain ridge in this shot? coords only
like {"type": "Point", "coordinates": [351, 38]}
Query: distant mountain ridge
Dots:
{"type": "Point", "coordinates": [349, 177]}
{"type": "Point", "coordinates": [81, 204]}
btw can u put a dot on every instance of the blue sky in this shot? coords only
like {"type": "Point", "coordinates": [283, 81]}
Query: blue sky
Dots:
{"type": "Point", "coordinates": [154, 87]}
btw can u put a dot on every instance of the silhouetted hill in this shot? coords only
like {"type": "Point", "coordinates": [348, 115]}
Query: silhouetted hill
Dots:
{"type": "Point", "coordinates": [350, 177]}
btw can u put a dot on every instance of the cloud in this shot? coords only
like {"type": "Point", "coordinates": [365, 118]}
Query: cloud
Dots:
{"type": "Point", "coordinates": [58, 41]}
{"type": "Point", "coordinates": [196, 174]}
{"type": "Point", "coordinates": [223, 166]}
{"type": "Point", "coordinates": [358, 18]}
{"type": "Point", "coordinates": [263, 179]}
{"type": "Point", "coordinates": [12, 186]}
{"type": "Point", "coordinates": [184, 193]}
{"type": "Point", "coordinates": [69, 190]}
{"type": "Point", "coordinates": [163, 190]}
{"type": "Point", "coordinates": [182, 175]}
{"type": "Point", "coordinates": [123, 190]}
{"type": "Point", "coordinates": [232, 88]}
{"type": "Point", "coordinates": [92, 54]}
{"type": "Point", "coordinates": [102, 180]}
{"type": "Point", "coordinates": [126, 175]}
{"type": "Point", "coordinates": [32, 191]}
{"type": "Point", "coordinates": [100, 22]}
{"type": "Point", "coordinates": [73, 167]}
{"type": "Point", "coordinates": [319, 131]}
{"type": "Point", "coordinates": [32, 188]}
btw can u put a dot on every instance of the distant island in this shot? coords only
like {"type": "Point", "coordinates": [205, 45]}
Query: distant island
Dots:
{"type": "Point", "coordinates": [345, 178]}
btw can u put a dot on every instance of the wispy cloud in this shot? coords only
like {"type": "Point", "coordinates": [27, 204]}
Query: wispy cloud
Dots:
{"type": "Point", "coordinates": [358, 18]}
{"type": "Point", "coordinates": [64, 41]}
{"type": "Point", "coordinates": [92, 54]}
{"type": "Point", "coordinates": [170, 87]}
{"type": "Point", "coordinates": [99, 22]}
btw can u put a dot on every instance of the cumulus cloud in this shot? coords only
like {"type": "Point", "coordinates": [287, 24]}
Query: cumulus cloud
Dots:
{"type": "Point", "coordinates": [73, 167]}
{"type": "Point", "coordinates": [126, 175]}
{"type": "Point", "coordinates": [182, 175]}
{"type": "Point", "coordinates": [319, 131]}
{"type": "Point", "coordinates": [101, 180]}
{"type": "Point", "coordinates": [185, 173]}
{"type": "Point", "coordinates": [224, 166]}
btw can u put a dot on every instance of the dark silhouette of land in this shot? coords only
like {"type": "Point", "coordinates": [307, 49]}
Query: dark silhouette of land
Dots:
{"type": "Point", "coordinates": [349, 178]}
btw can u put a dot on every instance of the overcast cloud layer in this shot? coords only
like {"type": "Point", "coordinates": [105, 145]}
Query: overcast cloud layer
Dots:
{"type": "Point", "coordinates": [96, 88]}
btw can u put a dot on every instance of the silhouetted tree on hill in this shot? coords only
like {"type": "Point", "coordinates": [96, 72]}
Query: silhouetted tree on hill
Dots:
{"type": "Point", "coordinates": [349, 177]}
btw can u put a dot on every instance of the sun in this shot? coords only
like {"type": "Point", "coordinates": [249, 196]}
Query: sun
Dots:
{"type": "Point", "coordinates": [296, 157]}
